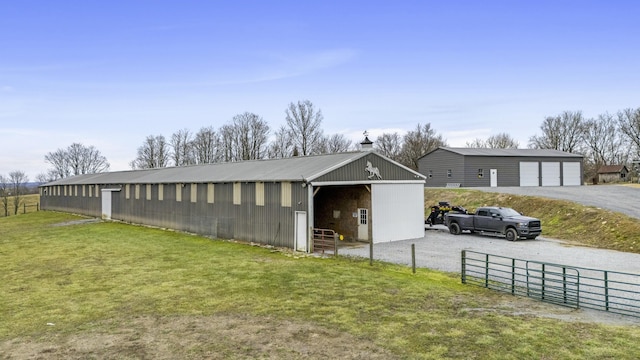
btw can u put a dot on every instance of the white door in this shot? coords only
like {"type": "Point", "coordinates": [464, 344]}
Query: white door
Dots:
{"type": "Point", "coordinates": [363, 224]}
{"type": "Point", "coordinates": [106, 204]}
{"type": "Point", "coordinates": [529, 175]}
{"type": "Point", "coordinates": [494, 177]}
{"type": "Point", "coordinates": [550, 173]}
{"type": "Point", "coordinates": [301, 230]}
{"type": "Point", "coordinates": [571, 174]}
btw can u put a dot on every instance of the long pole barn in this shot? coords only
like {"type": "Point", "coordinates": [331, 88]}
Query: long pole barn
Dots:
{"type": "Point", "coordinates": [362, 195]}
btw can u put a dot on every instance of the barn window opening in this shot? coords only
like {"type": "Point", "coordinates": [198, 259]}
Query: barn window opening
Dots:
{"type": "Point", "coordinates": [179, 192]}
{"type": "Point", "coordinates": [285, 194]}
{"type": "Point", "coordinates": [160, 192]}
{"type": "Point", "coordinates": [97, 191]}
{"type": "Point", "coordinates": [449, 173]}
{"type": "Point", "coordinates": [259, 194]}
{"type": "Point", "coordinates": [210, 193]}
{"type": "Point", "coordinates": [127, 191]}
{"type": "Point", "coordinates": [194, 193]}
{"type": "Point", "coordinates": [480, 173]}
{"type": "Point", "coordinates": [237, 193]}
{"type": "Point", "coordinates": [84, 190]}
{"type": "Point", "coordinates": [147, 189]}
{"type": "Point", "coordinates": [90, 190]}
{"type": "Point", "coordinates": [137, 191]}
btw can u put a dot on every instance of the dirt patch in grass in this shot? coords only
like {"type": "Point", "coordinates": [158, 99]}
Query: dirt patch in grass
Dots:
{"type": "Point", "coordinates": [196, 337]}
{"type": "Point", "coordinates": [78, 222]}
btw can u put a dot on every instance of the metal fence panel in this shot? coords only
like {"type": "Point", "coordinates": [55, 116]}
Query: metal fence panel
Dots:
{"type": "Point", "coordinates": [564, 285]}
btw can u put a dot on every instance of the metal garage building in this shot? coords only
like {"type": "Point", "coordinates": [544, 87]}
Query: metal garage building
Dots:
{"type": "Point", "coordinates": [474, 167]}
{"type": "Point", "coordinates": [361, 195]}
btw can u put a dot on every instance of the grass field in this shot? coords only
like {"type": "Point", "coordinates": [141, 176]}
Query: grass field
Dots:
{"type": "Point", "coordinates": [30, 203]}
{"type": "Point", "coordinates": [111, 290]}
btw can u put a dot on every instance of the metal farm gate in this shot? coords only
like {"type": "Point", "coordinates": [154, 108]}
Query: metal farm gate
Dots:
{"type": "Point", "coordinates": [564, 285]}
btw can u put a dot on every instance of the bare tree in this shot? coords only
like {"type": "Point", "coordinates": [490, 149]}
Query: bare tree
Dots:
{"type": "Point", "coordinates": [419, 142]}
{"type": "Point", "coordinates": [304, 122]}
{"type": "Point", "coordinates": [603, 138]}
{"type": "Point", "coordinates": [18, 180]}
{"type": "Point", "coordinates": [182, 144]}
{"type": "Point", "coordinates": [629, 122]}
{"type": "Point", "coordinates": [498, 141]}
{"type": "Point", "coordinates": [564, 132]}
{"type": "Point", "coordinates": [206, 146]}
{"type": "Point", "coordinates": [76, 159]}
{"type": "Point", "coordinates": [389, 145]}
{"type": "Point", "coordinates": [154, 153]}
{"type": "Point", "coordinates": [335, 143]}
{"type": "Point", "coordinates": [245, 138]}
{"type": "Point", "coordinates": [477, 143]}
{"type": "Point", "coordinates": [282, 145]}
{"type": "Point", "coordinates": [251, 136]}
{"type": "Point", "coordinates": [5, 191]}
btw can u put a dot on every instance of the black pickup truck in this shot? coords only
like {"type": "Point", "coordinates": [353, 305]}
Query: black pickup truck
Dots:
{"type": "Point", "coordinates": [495, 220]}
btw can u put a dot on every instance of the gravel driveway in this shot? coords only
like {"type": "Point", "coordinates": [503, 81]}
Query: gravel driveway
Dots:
{"type": "Point", "coordinates": [440, 250]}
{"type": "Point", "coordinates": [624, 199]}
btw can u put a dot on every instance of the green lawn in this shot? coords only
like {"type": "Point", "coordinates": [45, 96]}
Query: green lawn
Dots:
{"type": "Point", "coordinates": [97, 277]}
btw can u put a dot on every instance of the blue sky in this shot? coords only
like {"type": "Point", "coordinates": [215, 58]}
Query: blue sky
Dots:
{"type": "Point", "coordinates": [109, 73]}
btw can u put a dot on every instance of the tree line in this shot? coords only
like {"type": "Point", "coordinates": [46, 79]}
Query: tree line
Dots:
{"type": "Point", "coordinates": [12, 190]}
{"type": "Point", "coordinates": [605, 140]}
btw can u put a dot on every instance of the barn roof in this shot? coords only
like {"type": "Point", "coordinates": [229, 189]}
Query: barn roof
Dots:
{"type": "Point", "coordinates": [507, 152]}
{"type": "Point", "coordinates": [305, 168]}
{"type": "Point", "coordinates": [612, 169]}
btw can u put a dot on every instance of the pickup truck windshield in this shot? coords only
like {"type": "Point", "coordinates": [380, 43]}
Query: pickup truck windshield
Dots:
{"type": "Point", "coordinates": [506, 212]}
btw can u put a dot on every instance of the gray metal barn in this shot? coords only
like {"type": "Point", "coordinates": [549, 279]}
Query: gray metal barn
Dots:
{"type": "Point", "coordinates": [361, 195]}
{"type": "Point", "coordinates": [474, 167]}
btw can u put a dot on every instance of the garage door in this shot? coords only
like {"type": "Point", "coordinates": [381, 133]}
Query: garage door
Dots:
{"type": "Point", "coordinates": [550, 174]}
{"type": "Point", "coordinates": [529, 173]}
{"type": "Point", "coordinates": [571, 175]}
{"type": "Point", "coordinates": [397, 211]}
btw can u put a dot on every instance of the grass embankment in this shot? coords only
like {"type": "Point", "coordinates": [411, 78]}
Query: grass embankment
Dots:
{"type": "Point", "coordinates": [585, 225]}
{"type": "Point", "coordinates": [98, 278]}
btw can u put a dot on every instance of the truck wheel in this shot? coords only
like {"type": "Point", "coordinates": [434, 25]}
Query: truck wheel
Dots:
{"type": "Point", "coordinates": [454, 228]}
{"type": "Point", "coordinates": [511, 234]}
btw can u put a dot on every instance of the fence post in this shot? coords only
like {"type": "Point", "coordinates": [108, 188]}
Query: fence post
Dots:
{"type": "Point", "coordinates": [486, 271]}
{"type": "Point", "coordinates": [606, 290]}
{"type": "Point", "coordinates": [335, 244]}
{"type": "Point", "coordinates": [413, 257]}
{"type": "Point", "coordinates": [24, 208]}
{"type": "Point", "coordinates": [37, 206]}
{"type": "Point", "coordinates": [542, 281]}
{"type": "Point", "coordinates": [464, 267]}
{"type": "Point", "coordinates": [513, 276]}
{"type": "Point", "coordinates": [564, 284]}
{"type": "Point", "coordinates": [371, 252]}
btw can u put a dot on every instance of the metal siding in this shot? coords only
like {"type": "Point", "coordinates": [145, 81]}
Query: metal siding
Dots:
{"type": "Point", "coordinates": [397, 212]}
{"type": "Point", "coordinates": [439, 161]}
{"type": "Point", "coordinates": [507, 171]}
{"type": "Point", "coordinates": [355, 171]}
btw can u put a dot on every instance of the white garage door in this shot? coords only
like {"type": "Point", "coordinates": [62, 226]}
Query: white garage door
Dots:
{"type": "Point", "coordinates": [397, 211]}
{"type": "Point", "coordinates": [571, 175]}
{"type": "Point", "coordinates": [529, 175]}
{"type": "Point", "coordinates": [550, 173]}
